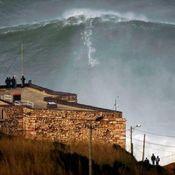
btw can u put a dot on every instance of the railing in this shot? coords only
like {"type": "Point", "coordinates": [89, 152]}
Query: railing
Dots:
{"type": "Point", "coordinates": [24, 103]}
{"type": "Point", "coordinates": [28, 103]}
{"type": "Point", "coordinates": [8, 98]}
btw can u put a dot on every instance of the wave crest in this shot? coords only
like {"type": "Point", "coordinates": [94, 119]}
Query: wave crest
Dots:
{"type": "Point", "coordinates": [83, 15]}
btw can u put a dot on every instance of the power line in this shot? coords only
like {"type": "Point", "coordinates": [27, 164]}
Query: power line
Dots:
{"type": "Point", "coordinates": [152, 143]}
{"type": "Point", "coordinates": [157, 144]}
{"type": "Point", "coordinates": [152, 133]}
{"type": "Point", "coordinates": [167, 156]}
{"type": "Point", "coordinates": [157, 149]}
{"type": "Point", "coordinates": [170, 153]}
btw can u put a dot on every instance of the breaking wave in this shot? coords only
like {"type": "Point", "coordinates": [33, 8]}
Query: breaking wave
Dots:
{"type": "Point", "coordinates": [104, 15]}
{"type": "Point", "coordinates": [77, 17]}
{"type": "Point", "coordinates": [83, 16]}
{"type": "Point", "coordinates": [84, 22]}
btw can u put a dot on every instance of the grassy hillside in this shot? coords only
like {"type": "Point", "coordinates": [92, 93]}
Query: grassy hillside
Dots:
{"type": "Point", "coordinates": [26, 157]}
{"type": "Point", "coordinates": [170, 168]}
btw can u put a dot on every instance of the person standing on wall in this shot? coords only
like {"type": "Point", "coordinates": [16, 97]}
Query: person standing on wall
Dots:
{"type": "Point", "coordinates": [7, 82]}
{"type": "Point", "coordinates": [14, 83]}
{"type": "Point", "coordinates": [10, 82]}
{"type": "Point", "coordinates": [23, 81]}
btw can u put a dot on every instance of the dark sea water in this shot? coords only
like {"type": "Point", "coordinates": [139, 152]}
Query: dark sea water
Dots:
{"type": "Point", "coordinates": [99, 50]}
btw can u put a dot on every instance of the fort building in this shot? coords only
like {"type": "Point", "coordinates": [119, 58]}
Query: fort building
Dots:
{"type": "Point", "coordinates": [39, 113]}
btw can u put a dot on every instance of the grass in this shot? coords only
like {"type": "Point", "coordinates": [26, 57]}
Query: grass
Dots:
{"type": "Point", "coordinates": [20, 157]}
{"type": "Point", "coordinates": [26, 157]}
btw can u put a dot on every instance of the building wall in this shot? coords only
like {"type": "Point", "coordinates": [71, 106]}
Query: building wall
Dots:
{"type": "Point", "coordinates": [12, 123]}
{"type": "Point", "coordinates": [64, 126]}
{"type": "Point", "coordinates": [67, 98]}
{"type": "Point", "coordinates": [2, 113]}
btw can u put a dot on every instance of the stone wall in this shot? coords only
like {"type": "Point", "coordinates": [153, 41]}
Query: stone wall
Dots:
{"type": "Point", "coordinates": [65, 126]}
{"type": "Point", "coordinates": [67, 98]}
{"type": "Point", "coordinates": [12, 123]}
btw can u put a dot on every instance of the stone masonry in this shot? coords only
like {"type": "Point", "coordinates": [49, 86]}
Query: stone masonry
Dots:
{"type": "Point", "coordinates": [63, 126]}
{"type": "Point", "coordinates": [66, 122]}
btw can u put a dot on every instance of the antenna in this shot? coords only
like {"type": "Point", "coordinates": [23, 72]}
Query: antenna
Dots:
{"type": "Point", "coordinates": [115, 104]}
{"type": "Point", "coordinates": [22, 59]}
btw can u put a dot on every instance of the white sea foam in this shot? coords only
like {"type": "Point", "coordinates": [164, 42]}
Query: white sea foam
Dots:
{"type": "Point", "coordinates": [87, 38]}
{"type": "Point", "coordinates": [82, 15]}
{"type": "Point", "coordinates": [106, 15]}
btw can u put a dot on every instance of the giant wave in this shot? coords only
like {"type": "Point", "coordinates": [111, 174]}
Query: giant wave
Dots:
{"type": "Point", "coordinates": [83, 16]}
{"type": "Point", "coordinates": [83, 37]}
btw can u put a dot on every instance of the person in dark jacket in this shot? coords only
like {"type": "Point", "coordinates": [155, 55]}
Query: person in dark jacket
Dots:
{"type": "Point", "coordinates": [10, 82]}
{"type": "Point", "coordinates": [153, 159]}
{"type": "Point", "coordinates": [7, 82]}
{"type": "Point", "coordinates": [146, 161]}
{"type": "Point", "coordinates": [14, 84]}
{"type": "Point", "coordinates": [23, 81]}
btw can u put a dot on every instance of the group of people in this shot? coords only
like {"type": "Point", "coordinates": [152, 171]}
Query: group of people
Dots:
{"type": "Point", "coordinates": [12, 82]}
{"type": "Point", "coordinates": [155, 160]}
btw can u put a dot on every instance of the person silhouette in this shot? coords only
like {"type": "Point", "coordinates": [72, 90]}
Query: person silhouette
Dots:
{"type": "Point", "coordinates": [146, 161]}
{"type": "Point", "coordinates": [157, 160]}
{"type": "Point", "coordinates": [14, 83]}
{"type": "Point", "coordinates": [23, 81]}
{"type": "Point", "coordinates": [10, 82]}
{"type": "Point", "coordinates": [7, 82]}
{"type": "Point", "coordinates": [153, 159]}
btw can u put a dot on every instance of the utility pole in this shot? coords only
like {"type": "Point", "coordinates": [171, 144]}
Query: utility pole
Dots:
{"type": "Point", "coordinates": [90, 149]}
{"type": "Point", "coordinates": [22, 59]}
{"type": "Point", "coordinates": [131, 131]}
{"type": "Point", "coordinates": [143, 154]}
{"type": "Point", "coordinates": [91, 126]}
{"type": "Point", "coordinates": [131, 140]}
